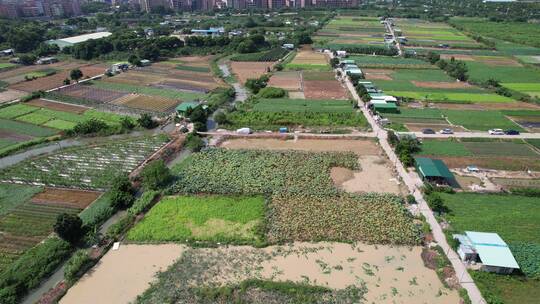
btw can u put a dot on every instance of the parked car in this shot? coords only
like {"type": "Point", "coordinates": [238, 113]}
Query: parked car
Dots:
{"type": "Point", "coordinates": [447, 131]}
{"type": "Point", "coordinates": [496, 132]}
{"type": "Point", "coordinates": [511, 132]}
{"type": "Point", "coordinates": [428, 131]}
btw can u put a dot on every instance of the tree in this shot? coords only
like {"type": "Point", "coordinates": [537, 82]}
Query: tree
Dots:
{"type": "Point", "coordinates": [436, 202]}
{"type": "Point", "coordinates": [194, 142]}
{"type": "Point", "coordinates": [134, 60]}
{"type": "Point", "coordinates": [433, 57]}
{"type": "Point", "coordinates": [155, 175]}
{"type": "Point", "coordinates": [76, 74]}
{"type": "Point", "coordinates": [90, 126]}
{"type": "Point", "coordinates": [247, 46]}
{"type": "Point", "coordinates": [127, 123]}
{"type": "Point", "coordinates": [334, 62]}
{"type": "Point", "coordinates": [27, 59]}
{"type": "Point", "coordinates": [220, 118]}
{"type": "Point", "coordinates": [197, 114]}
{"type": "Point", "coordinates": [146, 121]}
{"type": "Point", "coordinates": [69, 227]}
{"type": "Point", "coordinates": [67, 81]}
{"type": "Point", "coordinates": [122, 192]}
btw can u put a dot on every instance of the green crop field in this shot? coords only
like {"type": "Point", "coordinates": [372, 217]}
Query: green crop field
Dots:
{"type": "Point", "coordinates": [207, 218]}
{"type": "Point", "coordinates": [193, 68]}
{"type": "Point", "coordinates": [390, 62]}
{"type": "Point", "coordinates": [168, 93]}
{"type": "Point", "coordinates": [506, 289]}
{"type": "Point", "coordinates": [307, 67]}
{"type": "Point", "coordinates": [6, 65]}
{"type": "Point", "coordinates": [480, 120]}
{"type": "Point", "coordinates": [478, 148]}
{"type": "Point", "coordinates": [444, 148]}
{"type": "Point", "coordinates": [26, 129]}
{"type": "Point", "coordinates": [517, 32]}
{"type": "Point", "coordinates": [452, 97]}
{"type": "Point", "coordinates": [13, 195]}
{"type": "Point", "coordinates": [303, 105]}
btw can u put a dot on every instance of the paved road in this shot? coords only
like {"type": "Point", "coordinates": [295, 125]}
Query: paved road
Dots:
{"type": "Point", "coordinates": [414, 184]}
{"type": "Point", "coordinates": [477, 135]}
{"type": "Point", "coordinates": [299, 135]}
{"type": "Point", "coordinates": [391, 30]}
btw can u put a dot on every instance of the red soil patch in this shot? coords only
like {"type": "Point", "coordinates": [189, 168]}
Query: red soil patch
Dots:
{"type": "Point", "coordinates": [56, 80]}
{"type": "Point", "coordinates": [324, 89]}
{"type": "Point", "coordinates": [441, 85]}
{"type": "Point", "coordinates": [374, 76]}
{"type": "Point", "coordinates": [5, 134]}
{"type": "Point", "coordinates": [68, 198]}
{"type": "Point", "coordinates": [57, 106]}
{"type": "Point", "coordinates": [286, 80]}
{"type": "Point", "coordinates": [246, 70]}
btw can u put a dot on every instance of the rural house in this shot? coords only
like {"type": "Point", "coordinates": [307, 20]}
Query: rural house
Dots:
{"type": "Point", "coordinates": [487, 248]}
{"type": "Point", "coordinates": [433, 170]}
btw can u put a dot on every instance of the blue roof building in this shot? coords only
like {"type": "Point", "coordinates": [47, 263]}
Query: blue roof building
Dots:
{"type": "Point", "coordinates": [213, 31]}
{"type": "Point", "coordinates": [488, 249]}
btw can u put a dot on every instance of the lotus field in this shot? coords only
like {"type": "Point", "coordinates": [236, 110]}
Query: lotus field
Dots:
{"type": "Point", "coordinates": [89, 167]}
{"type": "Point", "coordinates": [304, 203]}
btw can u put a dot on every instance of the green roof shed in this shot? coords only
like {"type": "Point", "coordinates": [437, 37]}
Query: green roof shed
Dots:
{"type": "Point", "coordinates": [182, 108]}
{"type": "Point", "coordinates": [433, 169]}
{"type": "Point", "coordinates": [386, 107]}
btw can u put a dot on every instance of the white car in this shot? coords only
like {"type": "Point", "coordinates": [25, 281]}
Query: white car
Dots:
{"type": "Point", "coordinates": [496, 132]}
{"type": "Point", "coordinates": [446, 131]}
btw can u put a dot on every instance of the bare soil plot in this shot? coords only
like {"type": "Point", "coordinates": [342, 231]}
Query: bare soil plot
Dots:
{"type": "Point", "coordinates": [359, 146]}
{"type": "Point", "coordinates": [297, 95]}
{"type": "Point", "coordinates": [57, 106]}
{"type": "Point", "coordinates": [69, 198]}
{"type": "Point", "coordinates": [56, 80]}
{"type": "Point", "coordinates": [121, 275]}
{"type": "Point", "coordinates": [91, 93]}
{"type": "Point", "coordinates": [182, 86]}
{"type": "Point", "coordinates": [462, 57]}
{"type": "Point", "coordinates": [135, 78]}
{"type": "Point", "coordinates": [324, 89]}
{"type": "Point", "coordinates": [17, 75]}
{"type": "Point", "coordinates": [418, 127]}
{"type": "Point", "coordinates": [290, 81]}
{"type": "Point", "coordinates": [441, 85]}
{"type": "Point", "coordinates": [308, 56]}
{"type": "Point", "coordinates": [5, 134]}
{"type": "Point", "coordinates": [9, 95]}
{"type": "Point", "coordinates": [246, 70]}
{"type": "Point", "coordinates": [378, 74]}
{"type": "Point", "coordinates": [375, 175]}
{"type": "Point", "coordinates": [497, 61]}
{"type": "Point", "coordinates": [145, 102]}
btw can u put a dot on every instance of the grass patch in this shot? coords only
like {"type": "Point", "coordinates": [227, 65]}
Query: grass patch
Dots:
{"type": "Point", "coordinates": [193, 68]}
{"type": "Point", "coordinates": [480, 120]}
{"type": "Point", "coordinates": [216, 219]}
{"type": "Point", "coordinates": [12, 195]}
{"type": "Point", "coordinates": [506, 289]}
{"type": "Point", "coordinates": [444, 148]}
{"type": "Point", "coordinates": [25, 128]}
{"type": "Point", "coordinates": [168, 93]}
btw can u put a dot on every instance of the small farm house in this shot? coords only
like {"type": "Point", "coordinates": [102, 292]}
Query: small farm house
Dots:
{"type": "Point", "coordinates": [184, 106]}
{"type": "Point", "coordinates": [385, 107]}
{"type": "Point", "coordinates": [487, 248]}
{"type": "Point", "coordinates": [433, 170]}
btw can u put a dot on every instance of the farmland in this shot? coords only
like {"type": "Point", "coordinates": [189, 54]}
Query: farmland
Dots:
{"type": "Point", "coordinates": [493, 154]}
{"type": "Point", "coordinates": [245, 70]}
{"type": "Point", "coordinates": [266, 113]}
{"type": "Point", "coordinates": [83, 167]}
{"type": "Point", "coordinates": [347, 31]}
{"type": "Point", "coordinates": [366, 61]}
{"type": "Point", "coordinates": [485, 212]}
{"type": "Point", "coordinates": [202, 218]}
{"type": "Point", "coordinates": [308, 84]}
{"type": "Point", "coordinates": [271, 55]}
{"type": "Point", "coordinates": [308, 59]}
{"type": "Point", "coordinates": [26, 221]}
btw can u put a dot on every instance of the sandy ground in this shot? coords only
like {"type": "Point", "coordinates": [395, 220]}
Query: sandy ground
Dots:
{"type": "Point", "coordinates": [375, 176]}
{"type": "Point", "coordinates": [360, 146]}
{"type": "Point", "coordinates": [391, 274]}
{"type": "Point", "coordinates": [9, 95]}
{"type": "Point", "coordinates": [123, 274]}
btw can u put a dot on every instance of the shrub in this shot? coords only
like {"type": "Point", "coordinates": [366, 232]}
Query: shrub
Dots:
{"type": "Point", "coordinates": [77, 265]}
{"type": "Point", "coordinates": [271, 92]}
{"type": "Point", "coordinates": [528, 257]}
{"type": "Point", "coordinates": [146, 121]}
{"type": "Point", "coordinates": [90, 126]}
{"type": "Point", "coordinates": [127, 123]}
{"type": "Point", "coordinates": [531, 192]}
{"type": "Point", "coordinates": [410, 199]}
{"type": "Point", "coordinates": [194, 142]}
{"type": "Point", "coordinates": [143, 203]}
{"type": "Point", "coordinates": [436, 203]}
{"type": "Point", "coordinates": [32, 267]}
{"type": "Point", "coordinates": [69, 227]}
{"type": "Point", "coordinates": [155, 175]}
{"type": "Point", "coordinates": [220, 117]}
{"type": "Point", "coordinates": [120, 227]}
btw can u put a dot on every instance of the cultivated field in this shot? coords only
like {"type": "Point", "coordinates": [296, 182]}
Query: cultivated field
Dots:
{"type": "Point", "coordinates": [145, 102]}
{"type": "Point", "coordinates": [350, 31]}
{"type": "Point", "coordinates": [247, 70]}
{"type": "Point", "coordinates": [307, 59]}
{"type": "Point", "coordinates": [28, 214]}
{"type": "Point", "coordinates": [84, 167]}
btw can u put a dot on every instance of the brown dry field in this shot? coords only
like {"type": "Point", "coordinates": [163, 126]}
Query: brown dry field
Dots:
{"type": "Point", "coordinates": [324, 89]}
{"type": "Point", "coordinates": [135, 78]}
{"type": "Point", "coordinates": [17, 75]}
{"type": "Point", "coordinates": [69, 198]}
{"type": "Point", "coordinates": [358, 146]}
{"type": "Point", "coordinates": [9, 95]}
{"type": "Point", "coordinates": [497, 163]}
{"type": "Point", "coordinates": [461, 57]}
{"type": "Point", "coordinates": [376, 76]}
{"type": "Point", "coordinates": [497, 61]}
{"type": "Point", "coordinates": [150, 77]}
{"type": "Point", "coordinates": [417, 127]}
{"type": "Point", "coordinates": [289, 81]}
{"type": "Point", "coordinates": [145, 102]}
{"type": "Point", "coordinates": [441, 85]}
{"type": "Point", "coordinates": [489, 106]}
{"type": "Point", "coordinates": [375, 175]}
{"type": "Point", "coordinates": [5, 134]}
{"type": "Point", "coordinates": [57, 106]}
{"type": "Point", "coordinates": [246, 70]}
{"type": "Point", "coordinates": [308, 56]}
{"type": "Point", "coordinates": [56, 80]}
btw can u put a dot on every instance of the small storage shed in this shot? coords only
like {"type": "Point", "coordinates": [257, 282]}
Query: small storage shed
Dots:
{"type": "Point", "coordinates": [488, 249]}
{"type": "Point", "coordinates": [433, 170]}
{"type": "Point", "coordinates": [386, 108]}
{"type": "Point", "coordinates": [182, 108]}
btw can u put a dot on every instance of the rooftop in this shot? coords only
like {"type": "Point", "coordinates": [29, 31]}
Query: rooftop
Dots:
{"type": "Point", "coordinates": [491, 249]}
{"type": "Point", "coordinates": [85, 37]}
{"type": "Point", "coordinates": [429, 167]}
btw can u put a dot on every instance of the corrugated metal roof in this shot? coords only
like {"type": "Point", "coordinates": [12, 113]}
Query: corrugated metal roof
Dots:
{"type": "Point", "coordinates": [492, 250]}
{"type": "Point", "coordinates": [185, 105]}
{"type": "Point", "coordinates": [433, 168]}
{"type": "Point", "coordinates": [82, 38]}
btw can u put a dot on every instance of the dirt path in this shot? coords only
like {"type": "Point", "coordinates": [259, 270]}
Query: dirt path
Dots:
{"type": "Point", "coordinates": [121, 275]}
